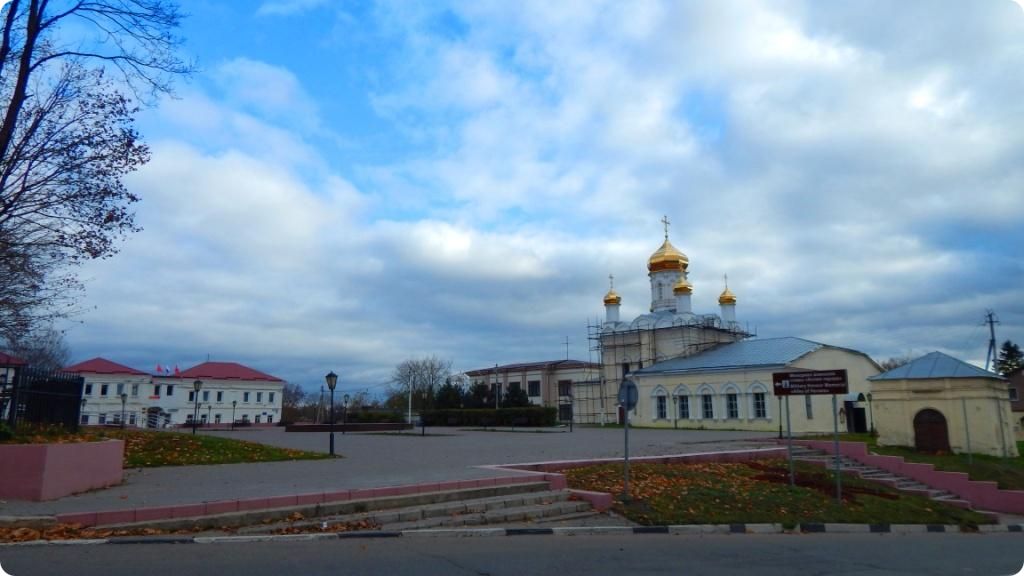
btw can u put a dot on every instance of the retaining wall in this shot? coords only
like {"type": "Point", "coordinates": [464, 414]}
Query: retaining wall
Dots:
{"type": "Point", "coordinates": [51, 471]}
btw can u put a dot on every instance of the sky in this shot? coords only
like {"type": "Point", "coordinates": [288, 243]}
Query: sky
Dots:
{"type": "Point", "coordinates": [344, 185]}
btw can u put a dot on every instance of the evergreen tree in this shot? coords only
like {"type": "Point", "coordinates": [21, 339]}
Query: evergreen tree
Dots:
{"type": "Point", "coordinates": [1010, 358]}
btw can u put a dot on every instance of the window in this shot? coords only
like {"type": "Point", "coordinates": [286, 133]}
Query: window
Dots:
{"type": "Point", "coordinates": [271, 400]}
{"type": "Point", "coordinates": [534, 387]}
{"type": "Point", "coordinates": [85, 419]}
{"type": "Point", "coordinates": [202, 419]}
{"type": "Point", "coordinates": [191, 395]}
{"type": "Point", "coordinates": [117, 417]}
{"type": "Point", "coordinates": [257, 418]}
{"type": "Point", "coordinates": [732, 406]}
{"type": "Point", "coordinates": [625, 369]}
{"type": "Point", "coordinates": [131, 419]}
{"type": "Point", "coordinates": [707, 406]}
{"type": "Point", "coordinates": [565, 387]}
{"type": "Point", "coordinates": [156, 389]}
{"type": "Point", "coordinates": [684, 407]}
{"type": "Point", "coordinates": [259, 396]}
{"type": "Point", "coordinates": [135, 390]}
{"type": "Point", "coordinates": [170, 389]}
{"type": "Point", "coordinates": [103, 389]}
{"type": "Point", "coordinates": [662, 408]}
{"type": "Point", "coordinates": [808, 408]}
{"type": "Point", "coordinates": [206, 395]}
{"type": "Point", "coordinates": [245, 397]}
{"type": "Point", "coordinates": [270, 419]}
{"type": "Point", "coordinates": [245, 417]}
{"type": "Point", "coordinates": [760, 408]}
{"type": "Point", "coordinates": [103, 418]}
{"type": "Point", "coordinates": [88, 389]}
{"type": "Point", "coordinates": [1013, 394]}
{"type": "Point", "coordinates": [188, 419]}
{"type": "Point", "coordinates": [216, 418]}
{"type": "Point", "coordinates": [220, 396]}
{"type": "Point", "coordinates": [120, 389]}
{"type": "Point", "coordinates": [565, 412]}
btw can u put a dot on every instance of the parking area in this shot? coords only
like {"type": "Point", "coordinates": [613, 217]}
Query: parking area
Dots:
{"type": "Point", "coordinates": [379, 459]}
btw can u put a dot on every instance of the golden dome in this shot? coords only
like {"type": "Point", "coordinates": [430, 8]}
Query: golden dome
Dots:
{"type": "Point", "coordinates": [612, 298]}
{"type": "Point", "coordinates": [727, 297]}
{"type": "Point", "coordinates": [668, 257]}
{"type": "Point", "coordinates": [682, 287]}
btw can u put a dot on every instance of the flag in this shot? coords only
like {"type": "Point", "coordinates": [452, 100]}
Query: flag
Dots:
{"type": "Point", "coordinates": [159, 369]}
{"type": "Point", "coordinates": [176, 371]}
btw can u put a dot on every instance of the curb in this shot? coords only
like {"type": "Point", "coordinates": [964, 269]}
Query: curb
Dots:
{"type": "Point", "coordinates": [673, 530]}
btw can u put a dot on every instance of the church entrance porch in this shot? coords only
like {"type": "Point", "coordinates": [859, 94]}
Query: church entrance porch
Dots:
{"type": "Point", "coordinates": [931, 433]}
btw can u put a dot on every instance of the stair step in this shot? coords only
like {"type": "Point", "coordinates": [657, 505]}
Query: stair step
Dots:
{"type": "Point", "coordinates": [535, 513]}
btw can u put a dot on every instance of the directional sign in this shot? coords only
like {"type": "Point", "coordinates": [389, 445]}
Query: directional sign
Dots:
{"type": "Point", "coordinates": [628, 394]}
{"type": "Point", "coordinates": [810, 382]}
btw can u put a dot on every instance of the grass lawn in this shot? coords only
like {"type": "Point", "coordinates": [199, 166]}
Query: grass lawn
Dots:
{"type": "Point", "coordinates": [150, 448]}
{"type": "Point", "coordinates": [1007, 472]}
{"type": "Point", "coordinates": [758, 492]}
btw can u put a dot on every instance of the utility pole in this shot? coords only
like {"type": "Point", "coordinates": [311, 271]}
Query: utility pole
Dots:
{"type": "Point", "coordinates": [991, 320]}
{"type": "Point", "coordinates": [566, 347]}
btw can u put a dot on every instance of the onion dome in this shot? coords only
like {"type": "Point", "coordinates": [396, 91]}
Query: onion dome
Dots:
{"type": "Point", "coordinates": [727, 297]}
{"type": "Point", "coordinates": [611, 298]}
{"type": "Point", "coordinates": [668, 257]}
{"type": "Point", "coordinates": [682, 287]}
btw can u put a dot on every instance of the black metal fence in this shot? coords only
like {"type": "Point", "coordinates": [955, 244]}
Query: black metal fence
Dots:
{"type": "Point", "coordinates": [42, 397]}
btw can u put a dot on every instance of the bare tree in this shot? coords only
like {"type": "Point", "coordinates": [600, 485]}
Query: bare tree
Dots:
{"type": "Point", "coordinates": [894, 362]}
{"type": "Point", "coordinates": [45, 349]}
{"type": "Point", "coordinates": [67, 138]}
{"type": "Point", "coordinates": [291, 401]}
{"type": "Point", "coordinates": [421, 375]}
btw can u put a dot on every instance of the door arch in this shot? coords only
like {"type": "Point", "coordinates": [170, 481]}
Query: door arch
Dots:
{"type": "Point", "coordinates": [931, 434]}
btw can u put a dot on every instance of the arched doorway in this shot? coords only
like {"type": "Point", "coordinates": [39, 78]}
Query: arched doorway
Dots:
{"type": "Point", "coordinates": [930, 431]}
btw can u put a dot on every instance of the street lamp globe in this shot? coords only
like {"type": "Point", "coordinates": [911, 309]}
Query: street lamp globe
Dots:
{"type": "Point", "coordinates": [332, 380]}
{"type": "Point", "coordinates": [198, 384]}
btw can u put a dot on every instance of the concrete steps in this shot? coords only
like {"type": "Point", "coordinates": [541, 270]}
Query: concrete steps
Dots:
{"type": "Point", "coordinates": [901, 483]}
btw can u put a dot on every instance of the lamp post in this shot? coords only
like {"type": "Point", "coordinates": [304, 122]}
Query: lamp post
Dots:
{"type": "Point", "coordinates": [780, 417]}
{"type": "Point", "coordinates": [82, 411]}
{"type": "Point", "coordinates": [871, 414]}
{"type": "Point", "coordinates": [124, 399]}
{"type": "Point", "coordinates": [423, 421]}
{"type": "Point", "coordinates": [234, 404]}
{"type": "Point", "coordinates": [332, 381]}
{"type": "Point", "coordinates": [196, 386]}
{"type": "Point", "coordinates": [344, 413]}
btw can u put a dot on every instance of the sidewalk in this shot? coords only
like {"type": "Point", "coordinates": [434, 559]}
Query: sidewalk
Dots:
{"type": "Point", "coordinates": [373, 461]}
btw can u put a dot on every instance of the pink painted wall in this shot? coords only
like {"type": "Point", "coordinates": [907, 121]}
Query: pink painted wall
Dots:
{"type": "Point", "coordinates": [981, 495]}
{"type": "Point", "coordinates": [51, 471]}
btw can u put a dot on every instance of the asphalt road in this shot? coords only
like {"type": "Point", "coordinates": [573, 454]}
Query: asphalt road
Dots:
{"type": "Point", "coordinates": [818, 555]}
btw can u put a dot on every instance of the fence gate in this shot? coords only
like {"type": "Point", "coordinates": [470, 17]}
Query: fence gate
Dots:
{"type": "Point", "coordinates": [45, 397]}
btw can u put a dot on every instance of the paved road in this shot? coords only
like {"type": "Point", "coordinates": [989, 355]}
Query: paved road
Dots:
{"type": "Point", "coordinates": [820, 555]}
{"type": "Point", "coordinates": [373, 460]}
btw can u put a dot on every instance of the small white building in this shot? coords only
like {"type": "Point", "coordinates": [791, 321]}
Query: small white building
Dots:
{"type": "Point", "coordinates": [228, 392]}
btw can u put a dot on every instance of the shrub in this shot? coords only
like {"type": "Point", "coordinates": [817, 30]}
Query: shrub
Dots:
{"type": "Point", "coordinates": [532, 416]}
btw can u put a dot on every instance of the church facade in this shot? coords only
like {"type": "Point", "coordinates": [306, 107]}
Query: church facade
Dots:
{"type": "Point", "coordinates": [704, 370]}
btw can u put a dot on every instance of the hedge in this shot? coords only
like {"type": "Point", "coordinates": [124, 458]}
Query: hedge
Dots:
{"type": "Point", "coordinates": [533, 416]}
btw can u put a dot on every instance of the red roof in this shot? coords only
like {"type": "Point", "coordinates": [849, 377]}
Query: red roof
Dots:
{"type": "Point", "coordinates": [103, 366]}
{"type": "Point", "coordinates": [227, 371]}
{"type": "Point", "coordinates": [8, 360]}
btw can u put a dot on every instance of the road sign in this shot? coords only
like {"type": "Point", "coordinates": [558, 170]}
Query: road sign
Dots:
{"type": "Point", "coordinates": [628, 394]}
{"type": "Point", "coordinates": [810, 382]}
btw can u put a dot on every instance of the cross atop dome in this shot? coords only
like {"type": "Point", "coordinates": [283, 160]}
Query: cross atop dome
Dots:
{"type": "Point", "coordinates": [665, 221]}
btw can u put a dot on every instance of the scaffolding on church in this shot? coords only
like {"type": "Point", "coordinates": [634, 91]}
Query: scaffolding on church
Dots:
{"type": "Point", "coordinates": [601, 407]}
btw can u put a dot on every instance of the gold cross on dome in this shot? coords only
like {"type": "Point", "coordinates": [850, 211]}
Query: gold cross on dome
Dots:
{"type": "Point", "coordinates": [664, 220]}
{"type": "Point", "coordinates": [611, 281]}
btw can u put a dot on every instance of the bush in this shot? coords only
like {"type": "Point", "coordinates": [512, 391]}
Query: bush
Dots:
{"type": "Point", "coordinates": [368, 417]}
{"type": "Point", "coordinates": [5, 432]}
{"type": "Point", "coordinates": [532, 416]}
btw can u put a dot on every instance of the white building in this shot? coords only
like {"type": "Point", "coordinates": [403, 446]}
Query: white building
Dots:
{"type": "Point", "coordinates": [228, 391]}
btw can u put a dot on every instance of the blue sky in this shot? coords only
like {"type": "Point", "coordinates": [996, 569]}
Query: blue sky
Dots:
{"type": "Point", "coordinates": [344, 185]}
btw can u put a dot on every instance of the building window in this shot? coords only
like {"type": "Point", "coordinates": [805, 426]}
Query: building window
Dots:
{"type": "Point", "coordinates": [257, 418]}
{"type": "Point", "coordinates": [131, 419]}
{"type": "Point", "coordinates": [245, 417]}
{"type": "Point", "coordinates": [191, 395]}
{"type": "Point", "coordinates": [707, 406]}
{"type": "Point", "coordinates": [271, 400]}
{"type": "Point", "coordinates": [220, 396]}
{"type": "Point", "coordinates": [103, 389]}
{"type": "Point", "coordinates": [120, 389]}
{"type": "Point", "coordinates": [170, 389]}
{"type": "Point", "coordinates": [270, 419]}
{"type": "Point", "coordinates": [88, 389]}
{"type": "Point", "coordinates": [117, 417]}
{"type": "Point", "coordinates": [760, 408]}
{"type": "Point", "coordinates": [662, 408]}
{"type": "Point", "coordinates": [156, 389]}
{"type": "Point", "coordinates": [534, 387]}
{"type": "Point", "coordinates": [259, 396]}
{"type": "Point", "coordinates": [245, 397]}
{"type": "Point", "coordinates": [202, 419]}
{"type": "Point", "coordinates": [732, 406]}
{"type": "Point", "coordinates": [1013, 394]}
{"type": "Point", "coordinates": [206, 395]}
{"type": "Point", "coordinates": [565, 412]}
{"type": "Point", "coordinates": [188, 419]}
{"type": "Point", "coordinates": [808, 407]}
{"type": "Point", "coordinates": [216, 418]}
{"type": "Point", "coordinates": [565, 387]}
{"type": "Point", "coordinates": [103, 418]}
{"type": "Point", "coordinates": [684, 407]}
{"type": "Point", "coordinates": [625, 369]}
{"type": "Point", "coordinates": [135, 390]}
{"type": "Point", "coordinates": [85, 419]}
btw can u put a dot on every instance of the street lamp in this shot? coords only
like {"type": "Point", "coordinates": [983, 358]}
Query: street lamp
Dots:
{"type": "Point", "coordinates": [124, 399]}
{"type": "Point", "coordinates": [871, 414]}
{"type": "Point", "coordinates": [572, 412]}
{"type": "Point", "coordinates": [423, 421]}
{"type": "Point", "coordinates": [344, 413]}
{"type": "Point", "coordinates": [234, 404]}
{"type": "Point", "coordinates": [675, 411]}
{"type": "Point", "coordinates": [82, 411]}
{"type": "Point", "coordinates": [332, 381]}
{"type": "Point", "coordinates": [197, 385]}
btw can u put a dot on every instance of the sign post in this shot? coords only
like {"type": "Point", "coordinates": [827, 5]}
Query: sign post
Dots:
{"type": "Point", "coordinates": [807, 383]}
{"type": "Point", "coordinates": [628, 396]}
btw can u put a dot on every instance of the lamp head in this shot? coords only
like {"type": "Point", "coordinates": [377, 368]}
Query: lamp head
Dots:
{"type": "Point", "coordinates": [197, 385]}
{"type": "Point", "coordinates": [332, 380]}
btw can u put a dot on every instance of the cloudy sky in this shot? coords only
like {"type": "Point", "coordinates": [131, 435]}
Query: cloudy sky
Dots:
{"type": "Point", "coordinates": [347, 184]}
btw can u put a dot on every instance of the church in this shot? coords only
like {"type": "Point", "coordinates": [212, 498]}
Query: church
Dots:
{"type": "Point", "coordinates": [705, 370]}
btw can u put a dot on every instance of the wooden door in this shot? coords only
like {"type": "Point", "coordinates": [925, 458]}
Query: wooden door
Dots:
{"type": "Point", "coordinates": [930, 431]}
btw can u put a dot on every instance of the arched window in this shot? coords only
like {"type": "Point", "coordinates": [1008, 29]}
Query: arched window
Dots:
{"type": "Point", "coordinates": [732, 401]}
{"type": "Point", "coordinates": [682, 395]}
{"type": "Point", "coordinates": [759, 405]}
{"type": "Point", "coordinates": [660, 396]}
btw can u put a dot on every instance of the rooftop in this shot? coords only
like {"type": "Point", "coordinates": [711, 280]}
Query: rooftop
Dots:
{"type": "Point", "coordinates": [227, 371]}
{"type": "Point", "coordinates": [935, 365]}
{"type": "Point", "coordinates": [544, 365]}
{"type": "Point", "coordinates": [103, 366]}
{"type": "Point", "coordinates": [757, 353]}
